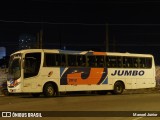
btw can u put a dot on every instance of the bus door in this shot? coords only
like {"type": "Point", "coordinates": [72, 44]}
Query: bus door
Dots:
{"type": "Point", "coordinates": [31, 70]}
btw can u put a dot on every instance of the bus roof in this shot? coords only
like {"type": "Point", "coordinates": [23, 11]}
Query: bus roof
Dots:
{"type": "Point", "coordinates": [82, 52]}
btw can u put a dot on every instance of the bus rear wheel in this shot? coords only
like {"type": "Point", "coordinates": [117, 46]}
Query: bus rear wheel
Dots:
{"type": "Point", "coordinates": [49, 90]}
{"type": "Point", "coordinates": [118, 88]}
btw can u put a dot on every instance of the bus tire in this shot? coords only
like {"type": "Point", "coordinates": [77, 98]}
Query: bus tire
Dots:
{"type": "Point", "coordinates": [5, 92]}
{"type": "Point", "coordinates": [49, 90]}
{"type": "Point", "coordinates": [118, 88]}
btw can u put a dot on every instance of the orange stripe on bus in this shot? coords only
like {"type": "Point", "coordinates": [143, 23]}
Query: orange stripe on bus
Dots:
{"type": "Point", "coordinates": [99, 53]}
{"type": "Point", "coordinates": [93, 78]}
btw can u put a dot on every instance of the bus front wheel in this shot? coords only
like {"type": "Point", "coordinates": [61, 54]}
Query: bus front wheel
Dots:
{"type": "Point", "coordinates": [49, 90]}
{"type": "Point", "coordinates": [118, 88]}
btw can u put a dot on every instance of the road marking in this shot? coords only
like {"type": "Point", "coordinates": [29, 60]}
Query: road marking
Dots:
{"type": "Point", "coordinates": [137, 118]}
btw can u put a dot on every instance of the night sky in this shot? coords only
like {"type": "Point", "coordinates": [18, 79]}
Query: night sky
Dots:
{"type": "Point", "coordinates": [133, 26]}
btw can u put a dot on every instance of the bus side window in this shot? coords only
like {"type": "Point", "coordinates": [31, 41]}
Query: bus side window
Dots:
{"type": "Point", "coordinates": [119, 62]}
{"type": "Point", "coordinates": [50, 60]}
{"type": "Point", "coordinates": [91, 61]}
{"type": "Point", "coordinates": [60, 60]}
{"type": "Point", "coordinates": [142, 62]}
{"type": "Point", "coordinates": [81, 60]}
{"type": "Point", "coordinates": [113, 61]}
{"type": "Point", "coordinates": [100, 61]}
{"type": "Point", "coordinates": [135, 62]}
{"type": "Point", "coordinates": [130, 61]}
{"type": "Point", "coordinates": [72, 60]}
{"type": "Point", "coordinates": [148, 62]}
{"type": "Point", "coordinates": [127, 62]}
{"type": "Point", "coordinates": [63, 60]}
{"type": "Point", "coordinates": [107, 61]}
{"type": "Point", "coordinates": [32, 64]}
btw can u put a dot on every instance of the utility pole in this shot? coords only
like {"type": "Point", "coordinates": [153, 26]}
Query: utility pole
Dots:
{"type": "Point", "coordinates": [114, 44]}
{"type": "Point", "coordinates": [38, 46]}
{"type": "Point", "coordinates": [41, 38]}
{"type": "Point", "coordinates": [107, 39]}
{"type": "Point", "coordinates": [60, 40]}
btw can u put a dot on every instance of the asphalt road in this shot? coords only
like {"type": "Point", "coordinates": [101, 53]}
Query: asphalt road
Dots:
{"type": "Point", "coordinates": [113, 107]}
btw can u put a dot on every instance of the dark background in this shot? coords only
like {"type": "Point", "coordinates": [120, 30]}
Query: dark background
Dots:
{"type": "Point", "coordinates": [132, 26]}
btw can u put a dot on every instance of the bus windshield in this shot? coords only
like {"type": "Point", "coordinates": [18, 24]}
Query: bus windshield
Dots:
{"type": "Point", "coordinates": [14, 70]}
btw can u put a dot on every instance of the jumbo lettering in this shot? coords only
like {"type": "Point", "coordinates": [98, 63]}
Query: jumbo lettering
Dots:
{"type": "Point", "coordinates": [128, 73]}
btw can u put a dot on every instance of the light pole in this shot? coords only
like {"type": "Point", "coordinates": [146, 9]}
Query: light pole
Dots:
{"type": "Point", "coordinates": [107, 39]}
{"type": "Point", "coordinates": [41, 38]}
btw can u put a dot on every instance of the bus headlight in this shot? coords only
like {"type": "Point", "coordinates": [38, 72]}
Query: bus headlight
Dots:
{"type": "Point", "coordinates": [15, 83]}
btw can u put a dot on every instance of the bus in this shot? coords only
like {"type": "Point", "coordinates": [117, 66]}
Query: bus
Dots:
{"type": "Point", "coordinates": [53, 71]}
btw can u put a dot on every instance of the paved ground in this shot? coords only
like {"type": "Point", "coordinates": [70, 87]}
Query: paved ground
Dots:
{"type": "Point", "coordinates": [133, 101]}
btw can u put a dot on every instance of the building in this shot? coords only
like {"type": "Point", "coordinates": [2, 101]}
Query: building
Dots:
{"type": "Point", "coordinates": [27, 41]}
{"type": "Point", "coordinates": [2, 52]}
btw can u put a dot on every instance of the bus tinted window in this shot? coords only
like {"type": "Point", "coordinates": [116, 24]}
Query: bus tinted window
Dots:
{"type": "Point", "coordinates": [148, 62]}
{"type": "Point", "coordinates": [127, 62]}
{"type": "Point", "coordinates": [111, 61]}
{"type": "Point", "coordinates": [32, 64]}
{"type": "Point", "coordinates": [145, 62]}
{"type": "Point", "coordinates": [81, 60]}
{"type": "Point", "coordinates": [61, 59]}
{"type": "Point", "coordinates": [72, 61]}
{"type": "Point", "coordinates": [91, 61]}
{"type": "Point", "coordinates": [50, 60]}
{"type": "Point", "coordinates": [119, 62]}
{"type": "Point", "coordinates": [142, 63]}
{"type": "Point", "coordinates": [135, 63]}
{"type": "Point", "coordinates": [100, 61]}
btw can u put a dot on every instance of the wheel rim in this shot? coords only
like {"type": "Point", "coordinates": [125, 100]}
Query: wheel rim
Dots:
{"type": "Point", "coordinates": [50, 91]}
{"type": "Point", "coordinates": [119, 89]}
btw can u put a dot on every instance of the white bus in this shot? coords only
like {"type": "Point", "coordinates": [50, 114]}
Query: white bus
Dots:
{"type": "Point", "coordinates": [50, 72]}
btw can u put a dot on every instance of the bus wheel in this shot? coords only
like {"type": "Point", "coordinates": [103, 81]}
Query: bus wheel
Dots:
{"type": "Point", "coordinates": [118, 88]}
{"type": "Point", "coordinates": [5, 92]}
{"type": "Point", "coordinates": [49, 90]}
